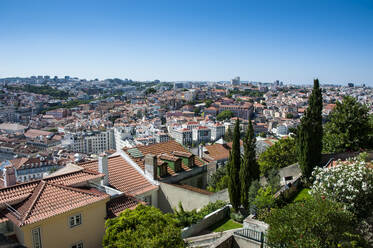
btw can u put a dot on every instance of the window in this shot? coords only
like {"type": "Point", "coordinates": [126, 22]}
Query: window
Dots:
{"type": "Point", "coordinates": [77, 245]}
{"type": "Point", "coordinates": [75, 220]}
{"type": "Point", "coordinates": [36, 239]}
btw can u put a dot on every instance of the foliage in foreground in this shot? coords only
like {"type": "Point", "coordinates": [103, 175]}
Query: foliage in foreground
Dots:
{"type": "Point", "coordinates": [281, 154]}
{"type": "Point", "coordinates": [143, 227]}
{"type": "Point", "coordinates": [349, 127]}
{"type": "Point", "coordinates": [350, 183]}
{"type": "Point", "coordinates": [187, 218]}
{"type": "Point", "coordinates": [227, 225]}
{"type": "Point", "coordinates": [218, 180]}
{"type": "Point", "coordinates": [249, 170]}
{"type": "Point", "coordinates": [309, 133]}
{"type": "Point", "coordinates": [234, 164]}
{"type": "Point", "coordinates": [315, 222]}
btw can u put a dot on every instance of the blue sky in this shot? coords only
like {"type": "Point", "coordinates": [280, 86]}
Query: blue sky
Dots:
{"type": "Point", "coordinates": [290, 40]}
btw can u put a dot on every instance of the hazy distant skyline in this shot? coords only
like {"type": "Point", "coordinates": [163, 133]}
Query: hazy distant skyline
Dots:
{"type": "Point", "coordinates": [289, 40]}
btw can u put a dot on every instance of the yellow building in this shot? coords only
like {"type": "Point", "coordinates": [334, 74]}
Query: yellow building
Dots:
{"type": "Point", "coordinates": [61, 211]}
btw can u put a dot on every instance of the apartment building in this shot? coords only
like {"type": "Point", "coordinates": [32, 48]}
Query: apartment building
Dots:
{"type": "Point", "coordinates": [217, 131]}
{"type": "Point", "coordinates": [201, 134]}
{"type": "Point", "coordinates": [58, 113]}
{"type": "Point", "coordinates": [182, 136]}
{"type": "Point", "coordinates": [243, 111]}
{"type": "Point", "coordinates": [162, 137]}
{"type": "Point", "coordinates": [27, 169]}
{"type": "Point", "coordinates": [90, 142]}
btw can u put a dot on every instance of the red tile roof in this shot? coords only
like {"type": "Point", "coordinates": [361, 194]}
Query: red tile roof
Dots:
{"type": "Point", "coordinates": [20, 192]}
{"type": "Point", "coordinates": [169, 148]}
{"type": "Point", "coordinates": [49, 199]}
{"type": "Point", "coordinates": [117, 205]}
{"type": "Point", "coordinates": [218, 151]}
{"type": "Point", "coordinates": [195, 189]}
{"type": "Point", "coordinates": [123, 176]}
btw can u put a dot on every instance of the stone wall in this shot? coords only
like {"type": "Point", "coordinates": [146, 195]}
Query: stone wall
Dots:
{"type": "Point", "coordinates": [169, 197]}
{"type": "Point", "coordinates": [206, 222]}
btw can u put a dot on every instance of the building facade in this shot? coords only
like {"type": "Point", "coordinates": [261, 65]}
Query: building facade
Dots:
{"type": "Point", "coordinates": [90, 142]}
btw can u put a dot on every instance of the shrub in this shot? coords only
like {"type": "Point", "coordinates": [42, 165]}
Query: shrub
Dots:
{"type": "Point", "coordinates": [238, 217]}
{"type": "Point", "coordinates": [281, 154]}
{"type": "Point", "coordinates": [142, 227]}
{"type": "Point", "coordinates": [187, 218]}
{"type": "Point", "coordinates": [350, 183]}
{"type": "Point", "coordinates": [315, 222]}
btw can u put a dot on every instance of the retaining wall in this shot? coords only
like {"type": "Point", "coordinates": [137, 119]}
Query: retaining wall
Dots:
{"type": "Point", "coordinates": [206, 222]}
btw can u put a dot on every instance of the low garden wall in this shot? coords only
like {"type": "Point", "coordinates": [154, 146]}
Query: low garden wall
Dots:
{"type": "Point", "coordinates": [206, 222]}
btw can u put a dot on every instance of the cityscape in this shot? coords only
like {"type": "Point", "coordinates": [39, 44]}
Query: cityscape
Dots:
{"type": "Point", "coordinates": [90, 157]}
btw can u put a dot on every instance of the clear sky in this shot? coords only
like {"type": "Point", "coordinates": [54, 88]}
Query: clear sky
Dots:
{"type": "Point", "coordinates": [290, 40]}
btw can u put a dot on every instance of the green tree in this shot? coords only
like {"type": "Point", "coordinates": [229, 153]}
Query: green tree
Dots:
{"type": "Point", "coordinates": [313, 223]}
{"type": "Point", "coordinates": [249, 170]}
{"type": "Point", "coordinates": [228, 135]}
{"type": "Point", "coordinates": [208, 103]}
{"type": "Point", "coordinates": [150, 91]}
{"type": "Point", "coordinates": [234, 169]}
{"type": "Point", "coordinates": [262, 135]}
{"type": "Point", "coordinates": [196, 111]}
{"type": "Point", "coordinates": [281, 154]}
{"type": "Point", "coordinates": [348, 128]}
{"type": "Point", "coordinates": [309, 133]}
{"type": "Point", "coordinates": [289, 116]}
{"type": "Point", "coordinates": [142, 227]}
{"type": "Point", "coordinates": [224, 115]}
{"type": "Point", "coordinates": [218, 180]}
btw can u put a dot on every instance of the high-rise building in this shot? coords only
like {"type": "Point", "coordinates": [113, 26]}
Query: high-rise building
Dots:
{"type": "Point", "coordinates": [236, 81]}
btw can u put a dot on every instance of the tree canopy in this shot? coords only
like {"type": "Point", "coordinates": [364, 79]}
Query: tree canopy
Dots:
{"type": "Point", "coordinates": [218, 180]}
{"type": "Point", "coordinates": [142, 227]}
{"type": "Point", "coordinates": [281, 154]}
{"type": "Point", "coordinates": [350, 182]}
{"type": "Point", "coordinates": [249, 170]}
{"type": "Point", "coordinates": [150, 90]}
{"type": "Point", "coordinates": [234, 164]}
{"type": "Point", "coordinates": [309, 133]}
{"type": "Point", "coordinates": [314, 222]}
{"type": "Point", "coordinates": [224, 115]}
{"type": "Point", "coordinates": [349, 127]}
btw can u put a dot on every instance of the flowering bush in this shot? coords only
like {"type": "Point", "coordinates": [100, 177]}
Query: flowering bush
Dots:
{"type": "Point", "coordinates": [350, 183]}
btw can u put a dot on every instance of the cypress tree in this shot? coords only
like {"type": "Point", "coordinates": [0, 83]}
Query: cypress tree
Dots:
{"type": "Point", "coordinates": [234, 169]}
{"type": "Point", "coordinates": [249, 170]}
{"type": "Point", "coordinates": [309, 133]}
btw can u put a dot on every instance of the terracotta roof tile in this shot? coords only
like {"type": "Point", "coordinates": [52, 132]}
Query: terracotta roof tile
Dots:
{"type": "Point", "coordinates": [117, 205]}
{"type": "Point", "coordinates": [195, 189]}
{"type": "Point", "coordinates": [218, 151]}
{"type": "Point", "coordinates": [123, 176]}
{"type": "Point", "coordinates": [43, 203]}
{"type": "Point", "coordinates": [169, 148]}
{"type": "Point", "coordinates": [19, 192]}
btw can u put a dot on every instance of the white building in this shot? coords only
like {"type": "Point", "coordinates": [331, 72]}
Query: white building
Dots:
{"type": "Point", "coordinates": [217, 131]}
{"type": "Point", "coordinates": [182, 136]}
{"type": "Point", "coordinates": [162, 137]}
{"type": "Point", "coordinates": [236, 81]}
{"type": "Point", "coordinates": [93, 142]}
{"type": "Point", "coordinates": [201, 134]}
{"type": "Point", "coordinates": [122, 134]}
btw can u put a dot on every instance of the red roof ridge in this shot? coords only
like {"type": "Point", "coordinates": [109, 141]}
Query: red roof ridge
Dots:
{"type": "Point", "coordinates": [34, 197]}
{"type": "Point", "coordinates": [73, 189]}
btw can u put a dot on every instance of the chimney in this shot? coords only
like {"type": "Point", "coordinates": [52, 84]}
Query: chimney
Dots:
{"type": "Point", "coordinates": [103, 167]}
{"type": "Point", "coordinates": [9, 174]}
{"type": "Point", "coordinates": [200, 151]}
{"type": "Point", "coordinates": [151, 166]}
